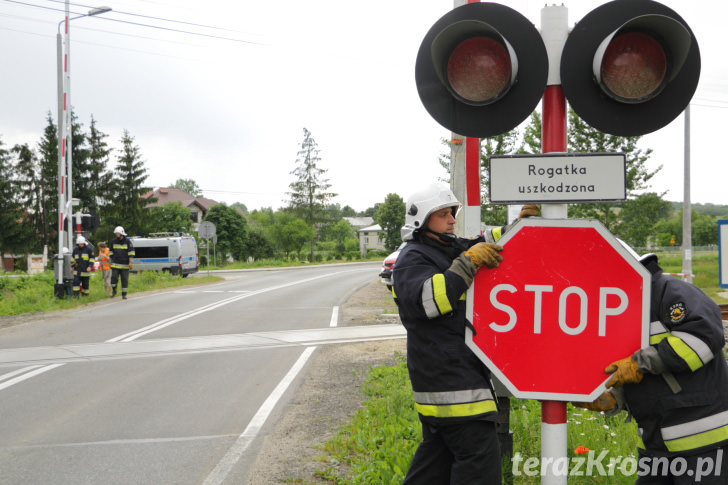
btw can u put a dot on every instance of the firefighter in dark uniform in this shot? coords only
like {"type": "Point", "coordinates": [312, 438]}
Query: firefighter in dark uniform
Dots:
{"type": "Point", "coordinates": [452, 389]}
{"type": "Point", "coordinates": [121, 252]}
{"type": "Point", "coordinates": [677, 388]}
{"type": "Point", "coordinates": [82, 260]}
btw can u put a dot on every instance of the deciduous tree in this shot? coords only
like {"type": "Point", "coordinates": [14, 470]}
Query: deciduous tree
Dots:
{"type": "Point", "coordinates": [391, 218]}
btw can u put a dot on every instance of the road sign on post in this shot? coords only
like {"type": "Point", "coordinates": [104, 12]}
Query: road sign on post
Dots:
{"type": "Point", "coordinates": [557, 177]}
{"type": "Point", "coordinates": [207, 231]}
{"type": "Point", "coordinates": [567, 300]}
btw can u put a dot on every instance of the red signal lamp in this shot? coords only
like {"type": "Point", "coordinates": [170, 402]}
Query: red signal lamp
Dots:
{"type": "Point", "coordinates": [481, 69]}
{"type": "Point", "coordinates": [630, 67]}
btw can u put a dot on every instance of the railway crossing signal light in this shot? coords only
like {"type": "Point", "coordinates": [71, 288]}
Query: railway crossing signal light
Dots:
{"type": "Point", "coordinates": [481, 69]}
{"type": "Point", "coordinates": [630, 67]}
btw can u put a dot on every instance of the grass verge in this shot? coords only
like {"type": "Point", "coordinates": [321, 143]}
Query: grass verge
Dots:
{"type": "Point", "coordinates": [31, 294]}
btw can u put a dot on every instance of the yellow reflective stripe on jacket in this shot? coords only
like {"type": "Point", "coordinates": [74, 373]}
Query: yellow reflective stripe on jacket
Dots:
{"type": "Point", "coordinates": [456, 410]}
{"type": "Point", "coordinates": [434, 297]}
{"type": "Point", "coordinates": [497, 233]}
{"type": "Point", "coordinates": [696, 434]}
{"type": "Point", "coordinates": [688, 347]}
{"type": "Point", "coordinates": [658, 332]}
{"type": "Point", "coordinates": [691, 349]}
{"type": "Point", "coordinates": [454, 404]}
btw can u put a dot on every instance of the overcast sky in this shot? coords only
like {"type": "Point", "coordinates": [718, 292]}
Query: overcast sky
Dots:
{"type": "Point", "coordinates": [221, 94]}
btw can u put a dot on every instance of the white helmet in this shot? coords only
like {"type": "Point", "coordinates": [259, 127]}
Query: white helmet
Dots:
{"type": "Point", "coordinates": [644, 259]}
{"type": "Point", "coordinates": [80, 240]}
{"type": "Point", "coordinates": [423, 203]}
{"type": "Point", "coordinates": [120, 230]}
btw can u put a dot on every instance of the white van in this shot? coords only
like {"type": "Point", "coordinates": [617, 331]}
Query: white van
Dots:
{"type": "Point", "coordinates": [166, 251]}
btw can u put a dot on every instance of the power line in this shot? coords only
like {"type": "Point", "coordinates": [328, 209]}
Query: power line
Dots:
{"type": "Point", "coordinates": [154, 18]}
{"type": "Point", "coordinates": [168, 29]}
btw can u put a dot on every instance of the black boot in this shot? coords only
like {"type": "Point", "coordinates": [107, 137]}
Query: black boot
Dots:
{"type": "Point", "coordinates": [123, 296]}
{"type": "Point", "coordinates": [113, 292]}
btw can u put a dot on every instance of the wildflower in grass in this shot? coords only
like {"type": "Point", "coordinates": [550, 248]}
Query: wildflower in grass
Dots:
{"type": "Point", "coordinates": [580, 450]}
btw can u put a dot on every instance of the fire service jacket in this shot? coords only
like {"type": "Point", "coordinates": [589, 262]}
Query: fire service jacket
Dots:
{"type": "Point", "coordinates": [449, 382]}
{"type": "Point", "coordinates": [683, 409]}
{"type": "Point", "coordinates": [83, 259]}
{"type": "Point", "coordinates": [121, 251]}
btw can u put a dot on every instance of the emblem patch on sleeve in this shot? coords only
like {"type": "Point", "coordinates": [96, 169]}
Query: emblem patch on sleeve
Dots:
{"type": "Point", "coordinates": [677, 312]}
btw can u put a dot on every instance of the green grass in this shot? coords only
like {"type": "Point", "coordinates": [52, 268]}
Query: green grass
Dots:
{"type": "Point", "coordinates": [279, 263]}
{"type": "Point", "coordinates": [378, 444]}
{"type": "Point", "coordinates": [31, 294]}
{"type": "Point", "coordinates": [705, 268]}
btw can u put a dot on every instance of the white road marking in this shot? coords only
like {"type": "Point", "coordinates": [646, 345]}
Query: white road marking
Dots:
{"type": "Point", "coordinates": [128, 337]}
{"type": "Point", "coordinates": [16, 372]}
{"type": "Point", "coordinates": [142, 441]}
{"type": "Point", "coordinates": [28, 375]}
{"type": "Point", "coordinates": [334, 317]}
{"type": "Point", "coordinates": [223, 468]}
{"type": "Point", "coordinates": [35, 357]}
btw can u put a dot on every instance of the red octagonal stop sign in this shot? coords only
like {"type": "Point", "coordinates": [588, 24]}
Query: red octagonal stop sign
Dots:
{"type": "Point", "coordinates": [566, 301]}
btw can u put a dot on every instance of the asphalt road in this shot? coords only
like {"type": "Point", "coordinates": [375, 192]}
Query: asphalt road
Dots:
{"type": "Point", "coordinates": [168, 387]}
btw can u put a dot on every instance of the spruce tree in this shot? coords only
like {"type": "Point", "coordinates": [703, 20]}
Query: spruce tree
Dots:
{"type": "Point", "coordinates": [309, 192]}
{"type": "Point", "coordinates": [127, 207]}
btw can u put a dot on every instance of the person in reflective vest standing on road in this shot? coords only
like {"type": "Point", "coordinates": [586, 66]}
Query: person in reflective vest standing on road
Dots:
{"type": "Point", "coordinates": [121, 253]}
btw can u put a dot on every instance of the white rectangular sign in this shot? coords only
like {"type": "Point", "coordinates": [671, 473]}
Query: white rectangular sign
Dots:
{"type": "Point", "coordinates": [557, 177]}
{"type": "Point", "coordinates": [723, 252]}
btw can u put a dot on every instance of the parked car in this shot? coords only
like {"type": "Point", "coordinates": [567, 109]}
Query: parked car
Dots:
{"type": "Point", "coordinates": [388, 266]}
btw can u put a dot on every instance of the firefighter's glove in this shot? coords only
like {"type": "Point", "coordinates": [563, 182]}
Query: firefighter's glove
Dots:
{"type": "Point", "coordinates": [485, 254]}
{"type": "Point", "coordinates": [528, 210]}
{"type": "Point", "coordinates": [605, 402]}
{"type": "Point", "coordinates": [624, 371]}
{"type": "Point", "coordinates": [131, 264]}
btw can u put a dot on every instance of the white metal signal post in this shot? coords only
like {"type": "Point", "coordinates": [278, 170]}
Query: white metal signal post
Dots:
{"type": "Point", "coordinates": [65, 160]}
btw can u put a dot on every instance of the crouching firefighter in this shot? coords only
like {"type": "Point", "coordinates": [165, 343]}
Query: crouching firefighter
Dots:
{"type": "Point", "coordinates": [677, 388]}
{"type": "Point", "coordinates": [452, 389]}
{"type": "Point", "coordinates": [82, 260]}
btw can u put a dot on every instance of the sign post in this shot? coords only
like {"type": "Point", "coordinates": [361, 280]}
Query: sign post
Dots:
{"type": "Point", "coordinates": [723, 252]}
{"type": "Point", "coordinates": [207, 231]}
{"type": "Point", "coordinates": [558, 177]}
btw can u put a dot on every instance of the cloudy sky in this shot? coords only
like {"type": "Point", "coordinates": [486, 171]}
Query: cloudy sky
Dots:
{"type": "Point", "coordinates": [220, 91]}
